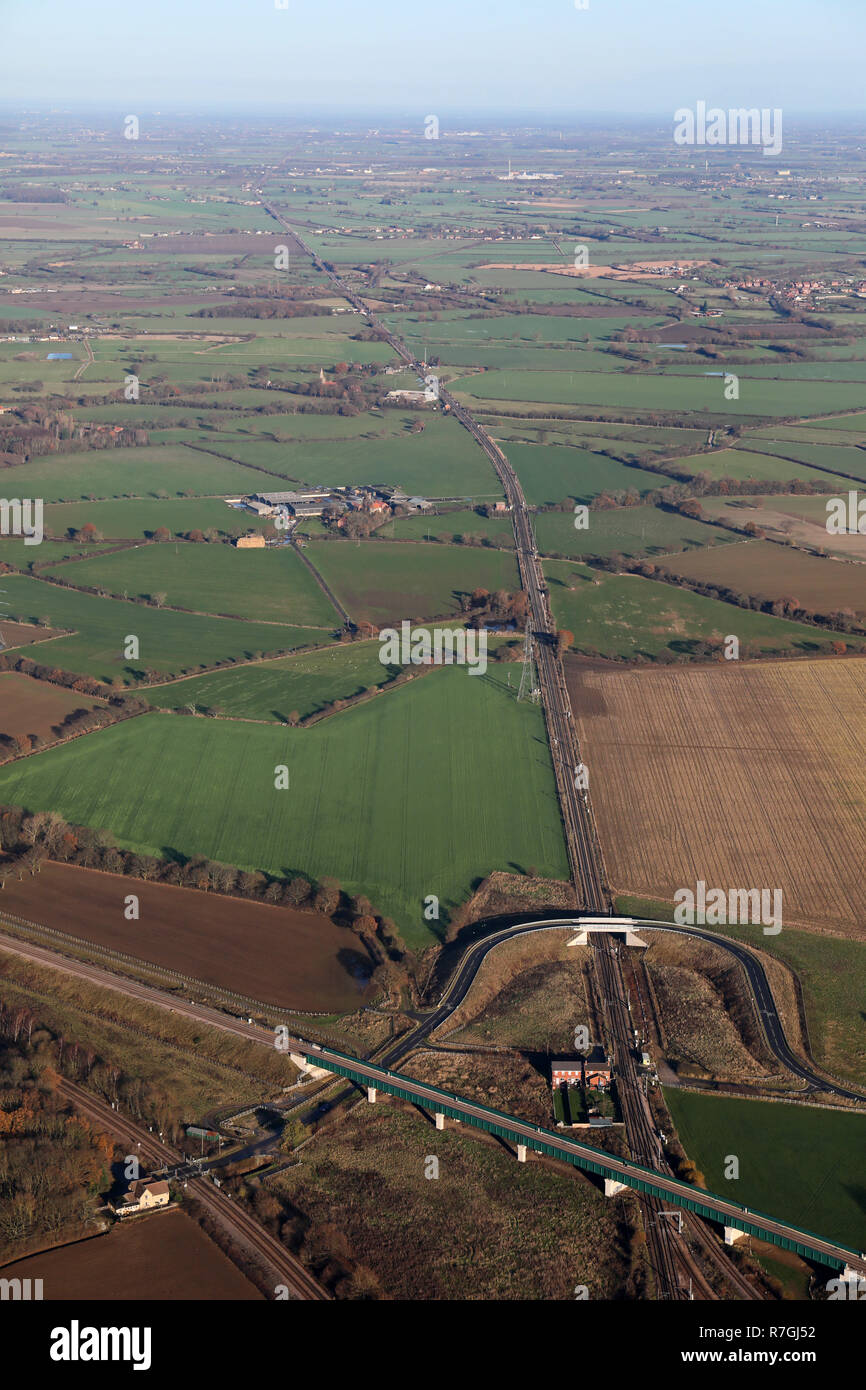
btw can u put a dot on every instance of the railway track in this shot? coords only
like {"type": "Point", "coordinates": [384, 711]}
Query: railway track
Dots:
{"type": "Point", "coordinates": [284, 1267]}
{"type": "Point", "coordinates": [584, 848]}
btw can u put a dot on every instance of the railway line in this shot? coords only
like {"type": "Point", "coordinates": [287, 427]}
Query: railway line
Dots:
{"type": "Point", "coordinates": [584, 848]}
{"type": "Point", "coordinates": [284, 1267]}
{"type": "Point", "coordinates": [669, 1252]}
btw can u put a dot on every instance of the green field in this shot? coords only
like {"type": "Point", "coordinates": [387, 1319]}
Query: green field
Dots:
{"type": "Point", "coordinates": [273, 585]}
{"type": "Point", "coordinates": [549, 473]}
{"type": "Point", "coordinates": [138, 472]}
{"type": "Point", "coordinates": [655, 391]}
{"type": "Point", "coordinates": [626, 531]}
{"type": "Point", "coordinates": [135, 520]}
{"type": "Point", "coordinates": [170, 643]}
{"type": "Point", "coordinates": [420, 791]}
{"type": "Point", "coordinates": [380, 581]}
{"type": "Point", "coordinates": [448, 526]}
{"type": "Point", "coordinates": [273, 690]}
{"type": "Point", "coordinates": [797, 1164]}
{"type": "Point", "coordinates": [626, 616]}
{"type": "Point", "coordinates": [442, 461]}
{"type": "Point", "coordinates": [746, 463]}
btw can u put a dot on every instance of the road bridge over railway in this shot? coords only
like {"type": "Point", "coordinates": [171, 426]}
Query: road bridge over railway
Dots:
{"type": "Point", "coordinates": [617, 1173]}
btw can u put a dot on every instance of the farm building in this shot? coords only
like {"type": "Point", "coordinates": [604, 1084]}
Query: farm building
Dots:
{"type": "Point", "coordinates": [256, 542]}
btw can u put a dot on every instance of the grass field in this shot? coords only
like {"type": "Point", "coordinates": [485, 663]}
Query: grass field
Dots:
{"type": "Point", "coordinates": [138, 472]}
{"type": "Point", "coordinates": [273, 690]}
{"type": "Point", "coordinates": [420, 791]}
{"type": "Point", "coordinates": [273, 585]}
{"type": "Point", "coordinates": [628, 617]}
{"type": "Point", "coordinates": [448, 526]}
{"type": "Point", "coordinates": [736, 775]}
{"type": "Point", "coordinates": [745, 463]}
{"type": "Point", "coordinates": [549, 472]}
{"type": "Point", "coordinates": [382, 582]}
{"type": "Point", "coordinates": [170, 643]}
{"type": "Point", "coordinates": [134, 520]}
{"type": "Point", "coordinates": [663, 392]}
{"type": "Point", "coordinates": [442, 461]}
{"type": "Point", "coordinates": [822, 1192]}
{"type": "Point", "coordinates": [628, 531]}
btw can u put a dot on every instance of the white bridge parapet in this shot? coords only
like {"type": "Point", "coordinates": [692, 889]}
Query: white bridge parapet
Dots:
{"type": "Point", "coordinates": [611, 925]}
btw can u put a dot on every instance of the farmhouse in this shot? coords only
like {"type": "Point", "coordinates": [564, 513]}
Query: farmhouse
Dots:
{"type": "Point", "coordinates": [566, 1070]}
{"type": "Point", "coordinates": [592, 1071]}
{"type": "Point", "coordinates": [143, 1195]}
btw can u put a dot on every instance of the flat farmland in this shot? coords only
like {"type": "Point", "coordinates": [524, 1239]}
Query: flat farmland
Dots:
{"type": "Point", "coordinates": [23, 634]}
{"type": "Point", "coordinates": [768, 571]}
{"type": "Point", "coordinates": [137, 519]}
{"type": "Point", "coordinates": [165, 1256]}
{"type": "Point", "coordinates": [745, 463]}
{"type": "Point", "coordinates": [295, 960]}
{"type": "Point", "coordinates": [655, 391]}
{"type": "Point", "coordinates": [803, 519]}
{"type": "Point", "coordinates": [380, 581]}
{"type": "Point", "coordinates": [629, 617]}
{"type": "Point", "coordinates": [420, 791]}
{"type": "Point", "coordinates": [441, 461]}
{"type": "Point", "coordinates": [448, 526]}
{"type": "Point", "coordinates": [173, 644]}
{"type": "Point", "coordinates": [32, 707]}
{"type": "Point", "coordinates": [628, 531]}
{"type": "Point", "coordinates": [850, 462]}
{"type": "Point", "coordinates": [742, 776]}
{"type": "Point", "coordinates": [135, 472]}
{"type": "Point", "coordinates": [550, 472]}
{"type": "Point", "coordinates": [823, 1194]}
{"type": "Point", "coordinates": [272, 690]}
{"type": "Point", "coordinates": [272, 585]}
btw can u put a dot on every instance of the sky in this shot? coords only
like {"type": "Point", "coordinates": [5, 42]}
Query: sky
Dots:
{"type": "Point", "coordinates": [496, 57]}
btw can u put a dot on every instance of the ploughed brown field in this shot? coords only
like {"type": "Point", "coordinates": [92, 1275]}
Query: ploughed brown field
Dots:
{"type": "Point", "coordinates": [23, 634]}
{"type": "Point", "coordinates": [31, 707]}
{"type": "Point", "coordinates": [163, 1256]}
{"type": "Point", "coordinates": [821, 584]}
{"type": "Point", "coordinates": [743, 776]}
{"type": "Point", "coordinates": [297, 960]}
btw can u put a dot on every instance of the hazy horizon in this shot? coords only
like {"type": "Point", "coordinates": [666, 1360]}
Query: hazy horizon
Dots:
{"type": "Point", "coordinates": [623, 57]}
